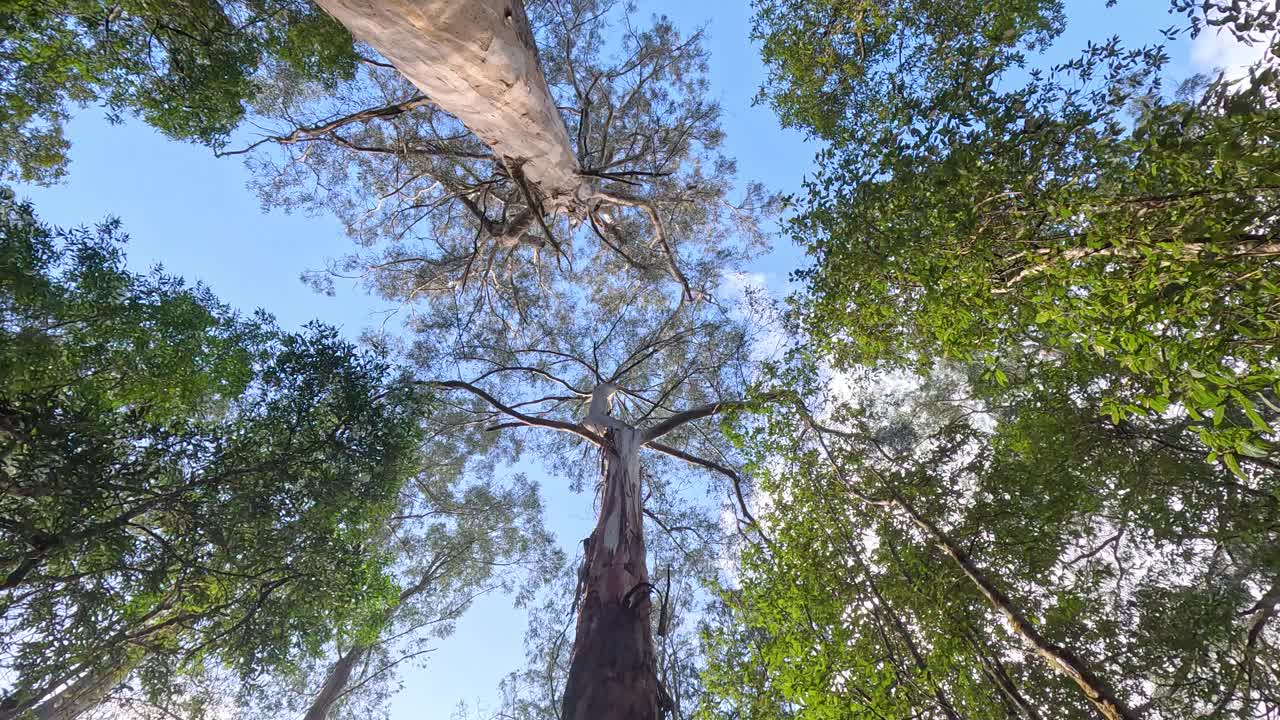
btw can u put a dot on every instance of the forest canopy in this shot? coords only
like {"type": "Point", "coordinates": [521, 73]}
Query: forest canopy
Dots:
{"type": "Point", "coordinates": [1009, 448]}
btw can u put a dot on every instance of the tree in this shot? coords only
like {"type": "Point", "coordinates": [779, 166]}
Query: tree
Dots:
{"type": "Point", "coordinates": [479, 62]}
{"type": "Point", "coordinates": [181, 486]}
{"type": "Point", "coordinates": [544, 297]}
{"type": "Point", "coordinates": [1125, 576]}
{"type": "Point", "coordinates": [622, 387]}
{"type": "Point", "coordinates": [187, 68]}
{"type": "Point", "coordinates": [448, 216]}
{"type": "Point", "coordinates": [974, 201]}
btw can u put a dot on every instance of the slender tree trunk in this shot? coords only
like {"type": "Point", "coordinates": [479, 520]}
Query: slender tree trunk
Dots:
{"type": "Point", "coordinates": [477, 60]}
{"type": "Point", "coordinates": [335, 683]}
{"type": "Point", "coordinates": [613, 671]}
{"type": "Point", "coordinates": [89, 690]}
{"type": "Point", "coordinates": [338, 679]}
{"type": "Point", "coordinates": [1062, 660]}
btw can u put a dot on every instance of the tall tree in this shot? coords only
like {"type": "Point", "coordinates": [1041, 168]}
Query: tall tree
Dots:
{"type": "Point", "coordinates": [550, 300]}
{"type": "Point", "coordinates": [179, 485]}
{"type": "Point", "coordinates": [622, 380]}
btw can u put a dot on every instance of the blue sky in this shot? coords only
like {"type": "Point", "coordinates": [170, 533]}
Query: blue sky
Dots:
{"type": "Point", "coordinates": [193, 213]}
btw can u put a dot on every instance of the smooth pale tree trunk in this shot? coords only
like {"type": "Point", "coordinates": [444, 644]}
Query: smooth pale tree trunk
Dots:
{"type": "Point", "coordinates": [477, 60]}
{"type": "Point", "coordinates": [613, 671]}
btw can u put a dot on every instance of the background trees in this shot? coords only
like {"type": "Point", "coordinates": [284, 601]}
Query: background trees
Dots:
{"type": "Point", "coordinates": [186, 68]}
{"type": "Point", "coordinates": [186, 491]}
{"type": "Point", "coordinates": [1100, 536]}
{"type": "Point", "coordinates": [1066, 262]}
{"type": "Point", "coordinates": [975, 202]}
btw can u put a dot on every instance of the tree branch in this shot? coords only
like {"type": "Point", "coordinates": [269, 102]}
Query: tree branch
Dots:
{"type": "Point", "coordinates": [733, 476]}
{"type": "Point", "coordinates": [660, 235]}
{"type": "Point", "coordinates": [530, 420]}
{"type": "Point", "coordinates": [674, 421]}
{"type": "Point", "coordinates": [307, 133]}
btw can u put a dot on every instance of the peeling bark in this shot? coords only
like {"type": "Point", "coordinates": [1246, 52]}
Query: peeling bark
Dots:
{"type": "Point", "coordinates": [613, 671]}
{"type": "Point", "coordinates": [477, 60]}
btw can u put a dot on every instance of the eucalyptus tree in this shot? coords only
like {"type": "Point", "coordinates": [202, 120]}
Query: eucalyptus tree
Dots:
{"type": "Point", "coordinates": [641, 116]}
{"type": "Point", "coordinates": [180, 485]}
{"type": "Point", "coordinates": [592, 387]}
{"type": "Point", "coordinates": [976, 197]}
{"type": "Point", "coordinates": [443, 213]}
{"type": "Point", "coordinates": [543, 268]}
{"type": "Point", "coordinates": [967, 549]}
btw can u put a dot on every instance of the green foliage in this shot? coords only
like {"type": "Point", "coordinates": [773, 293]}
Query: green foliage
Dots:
{"type": "Point", "coordinates": [851, 70]}
{"type": "Point", "coordinates": [1119, 544]}
{"type": "Point", "coordinates": [963, 213]}
{"type": "Point", "coordinates": [1098, 258]}
{"type": "Point", "coordinates": [180, 486]}
{"type": "Point", "coordinates": [187, 68]}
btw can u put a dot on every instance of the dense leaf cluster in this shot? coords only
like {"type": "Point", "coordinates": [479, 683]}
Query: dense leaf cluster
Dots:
{"type": "Point", "coordinates": [186, 68]}
{"type": "Point", "coordinates": [179, 485]}
{"type": "Point", "coordinates": [973, 203]}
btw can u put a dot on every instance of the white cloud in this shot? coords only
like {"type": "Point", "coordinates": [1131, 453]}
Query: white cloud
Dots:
{"type": "Point", "coordinates": [1217, 49]}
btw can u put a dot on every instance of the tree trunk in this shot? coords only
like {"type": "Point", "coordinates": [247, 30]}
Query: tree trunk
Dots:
{"type": "Point", "coordinates": [477, 60]}
{"type": "Point", "coordinates": [335, 683]}
{"type": "Point", "coordinates": [339, 676]}
{"type": "Point", "coordinates": [1062, 660]}
{"type": "Point", "coordinates": [89, 690]}
{"type": "Point", "coordinates": [613, 671]}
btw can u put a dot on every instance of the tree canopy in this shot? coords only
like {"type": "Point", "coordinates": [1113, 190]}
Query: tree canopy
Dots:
{"type": "Point", "coordinates": [186, 68]}
{"type": "Point", "coordinates": [1068, 506]}
{"type": "Point", "coordinates": [974, 203]}
{"type": "Point", "coordinates": [180, 485]}
{"type": "Point", "coordinates": [1019, 461]}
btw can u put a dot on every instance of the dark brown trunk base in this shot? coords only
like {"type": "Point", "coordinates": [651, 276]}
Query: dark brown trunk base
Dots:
{"type": "Point", "coordinates": [612, 676]}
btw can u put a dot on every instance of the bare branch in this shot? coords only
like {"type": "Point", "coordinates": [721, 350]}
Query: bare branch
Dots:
{"type": "Point", "coordinates": [671, 423]}
{"type": "Point", "coordinates": [660, 235]}
{"type": "Point", "coordinates": [530, 420]}
{"type": "Point", "coordinates": [308, 133]}
{"type": "Point", "coordinates": [733, 476]}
